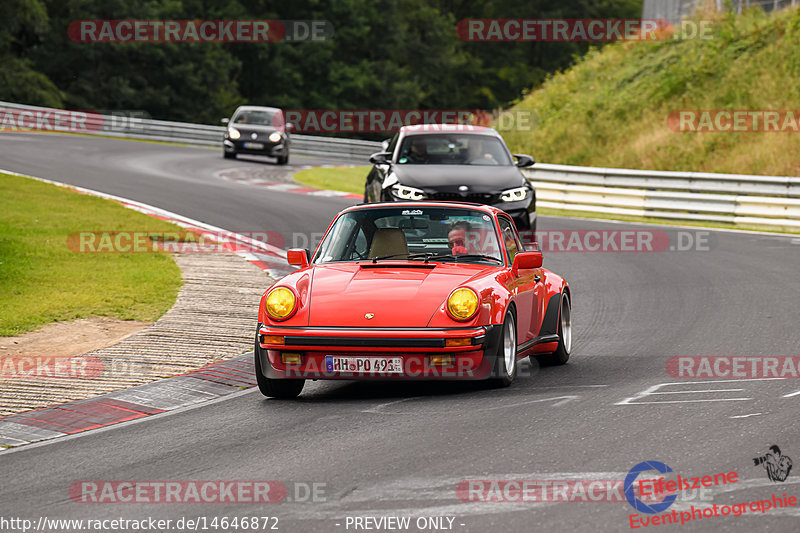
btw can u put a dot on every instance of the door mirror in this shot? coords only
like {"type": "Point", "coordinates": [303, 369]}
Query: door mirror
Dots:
{"type": "Point", "coordinates": [385, 144]}
{"type": "Point", "coordinates": [225, 120]}
{"type": "Point", "coordinates": [526, 260]}
{"type": "Point", "coordinates": [297, 257]}
{"type": "Point", "coordinates": [524, 160]}
{"type": "Point", "coordinates": [380, 158]}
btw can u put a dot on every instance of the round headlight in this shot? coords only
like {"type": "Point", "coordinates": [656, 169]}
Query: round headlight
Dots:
{"type": "Point", "coordinates": [274, 137]}
{"type": "Point", "coordinates": [280, 303]}
{"type": "Point", "coordinates": [233, 133]}
{"type": "Point", "coordinates": [462, 304]}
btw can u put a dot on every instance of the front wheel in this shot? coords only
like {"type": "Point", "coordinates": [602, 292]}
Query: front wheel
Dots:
{"type": "Point", "coordinates": [284, 159]}
{"type": "Point", "coordinates": [506, 359]}
{"type": "Point", "coordinates": [228, 155]}
{"type": "Point", "coordinates": [561, 355]}
{"type": "Point", "coordinates": [275, 388]}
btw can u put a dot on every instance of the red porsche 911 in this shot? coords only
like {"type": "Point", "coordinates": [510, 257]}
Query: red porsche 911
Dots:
{"type": "Point", "coordinates": [420, 290]}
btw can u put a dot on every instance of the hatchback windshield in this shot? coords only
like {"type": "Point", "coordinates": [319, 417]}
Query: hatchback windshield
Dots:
{"type": "Point", "coordinates": [453, 149]}
{"type": "Point", "coordinates": [257, 117]}
{"type": "Point", "coordinates": [417, 234]}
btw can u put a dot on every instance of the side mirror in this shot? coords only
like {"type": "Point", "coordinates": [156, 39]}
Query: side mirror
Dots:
{"type": "Point", "coordinates": [290, 127]}
{"type": "Point", "coordinates": [225, 120]}
{"type": "Point", "coordinates": [380, 158]}
{"type": "Point", "coordinates": [526, 260]}
{"type": "Point", "coordinates": [524, 160]}
{"type": "Point", "coordinates": [297, 257]}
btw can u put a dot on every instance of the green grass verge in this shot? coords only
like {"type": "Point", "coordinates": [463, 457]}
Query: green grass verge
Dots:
{"type": "Point", "coordinates": [42, 280]}
{"type": "Point", "coordinates": [346, 179]}
{"type": "Point", "coordinates": [611, 108]}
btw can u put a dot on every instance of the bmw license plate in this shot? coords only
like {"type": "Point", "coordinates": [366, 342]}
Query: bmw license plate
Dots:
{"type": "Point", "coordinates": [254, 146]}
{"type": "Point", "coordinates": [378, 365]}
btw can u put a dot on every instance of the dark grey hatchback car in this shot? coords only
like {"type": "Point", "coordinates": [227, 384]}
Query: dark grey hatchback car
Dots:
{"type": "Point", "coordinates": [451, 162]}
{"type": "Point", "coordinates": [257, 130]}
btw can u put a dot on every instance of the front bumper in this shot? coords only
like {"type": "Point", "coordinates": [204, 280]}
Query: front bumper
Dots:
{"type": "Point", "coordinates": [414, 346]}
{"type": "Point", "coordinates": [243, 146]}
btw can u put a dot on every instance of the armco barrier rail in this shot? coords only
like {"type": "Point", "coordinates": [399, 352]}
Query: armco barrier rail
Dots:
{"type": "Point", "coordinates": [767, 201]}
{"type": "Point", "coordinates": [183, 132]}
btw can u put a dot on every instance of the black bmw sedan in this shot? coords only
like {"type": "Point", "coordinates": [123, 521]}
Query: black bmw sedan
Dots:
{"type": "Point", "coordinates": [453, 162]}
{"type": "Point", "coordinates": [257, 131]}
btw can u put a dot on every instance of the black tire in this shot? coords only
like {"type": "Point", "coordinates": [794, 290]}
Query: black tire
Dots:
{"type": "Point", "coordinates": [228, 155]}
{"type": "Point", "coordinates": [284, 159]}
{"type": "Point", "coordinates": [506, 350]}
{"type": "Point", "coordinates": [561, 355]}
{"type": "Point", "coordinates": [275, 388]}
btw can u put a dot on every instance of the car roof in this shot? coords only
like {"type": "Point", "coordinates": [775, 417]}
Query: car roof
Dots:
{"type": "Point", "coordinates": [488, 209]}
{"type": "Point", "coordinates": [256, 108]}
{"type": "Point", "coordinates": [444, 129]}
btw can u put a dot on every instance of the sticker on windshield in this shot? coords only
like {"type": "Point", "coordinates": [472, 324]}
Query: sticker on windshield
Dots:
{"type": "Point", "coordinates": [411, 212]}
{"type": "Point", "coordinates": [403, 160]}
{"type": "Point", "coordinates": [487, 218]}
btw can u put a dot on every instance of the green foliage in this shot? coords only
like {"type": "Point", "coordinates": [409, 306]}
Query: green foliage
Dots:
{"type": "Point", "coordinates": [385, 54]}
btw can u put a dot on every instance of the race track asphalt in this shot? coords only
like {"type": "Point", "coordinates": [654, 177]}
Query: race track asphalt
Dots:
{"type": "Point", "coordinates": [401, 449]}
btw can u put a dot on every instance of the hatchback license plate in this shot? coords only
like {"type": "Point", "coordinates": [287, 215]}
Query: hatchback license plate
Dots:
{"type": "Point", "coordinates": [254, 146]}
{"type": "Point", "coordinates": [379, 365]}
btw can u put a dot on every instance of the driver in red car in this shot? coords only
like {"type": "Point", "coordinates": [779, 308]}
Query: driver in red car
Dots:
{"type": "Point", "coordinates": [457, 237]}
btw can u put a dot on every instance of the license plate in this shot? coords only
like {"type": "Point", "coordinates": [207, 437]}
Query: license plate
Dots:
{"type": "Point", "coordinates": [372, 365]}
{"type": "Point", "coordinates": [254, 146]}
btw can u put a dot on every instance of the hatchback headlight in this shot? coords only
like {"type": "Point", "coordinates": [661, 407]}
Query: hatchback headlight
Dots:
{"type": "Point", "coordinates": [408, 193]}
{"type": "Point", "coordinates": [275, 137]}
{"type": "Point", "coordinates": [514, 195]}
{"type": "Point", "coordinates": [281, 303]}
{"type": "Point", "coordinates": [462, 304]}
{"type": "Point", "coordinates": [233, 133]}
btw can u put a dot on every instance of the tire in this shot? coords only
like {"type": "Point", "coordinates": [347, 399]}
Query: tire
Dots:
{"type": "Point", "coordinates": [228, 155]}
{"type": "Point", "coordinates": [275, 388]}
{"type": "Point", "coordinates": [283, 160]}
{"type": "Point", "coordinates": [523, 223]}
{"type": "Point", "coordinates": [561, 355]}
{"type": "Point", "coordinates": [505, 366]}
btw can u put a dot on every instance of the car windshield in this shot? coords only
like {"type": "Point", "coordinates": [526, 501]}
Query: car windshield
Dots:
{"type": "Point", "coordinates": [453, 149]}
{"type": "Point", "coordinates": [257, 117]}
{"type": "Point", "coordinates": [418, 234]}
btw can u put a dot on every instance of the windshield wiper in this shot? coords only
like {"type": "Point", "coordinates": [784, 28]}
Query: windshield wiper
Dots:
{"type": "Point", "coordinates": [391, 256]}
{"type": "Point", "coordinates": [462, 256]}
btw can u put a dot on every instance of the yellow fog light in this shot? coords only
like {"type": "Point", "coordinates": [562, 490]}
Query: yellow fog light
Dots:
{"type": "Point", "coordinates": [281, 303]}
{"type": "Point", "coordinates": [442, 360]}
{"type": "Point", "coordinates": [462, 304]}
{"type": "Point", "coordinates": [291, 358]}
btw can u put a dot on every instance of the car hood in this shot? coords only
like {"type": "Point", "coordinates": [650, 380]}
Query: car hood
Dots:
{"type": "Point", "coordinates": [448, 178]}
{"type": "Point", "coordinates": [398, 296]}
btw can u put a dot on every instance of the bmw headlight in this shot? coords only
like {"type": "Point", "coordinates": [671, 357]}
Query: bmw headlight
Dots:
{"type": "Point", "coordinates": [514, 195]}
{"type": "Point", "coordinates": [281, 303]}
{"type": "Point", "coordinates": [462, 304]}
{"type": "Point", "coordinates": [233, 133]}
{"type": "Point", "coordinates": [407, 193]}
{"type": "Point", "coordinates": [275, 137]}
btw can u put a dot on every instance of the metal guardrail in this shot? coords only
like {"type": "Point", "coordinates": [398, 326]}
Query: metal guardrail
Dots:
{"type": "Point", "coordinates": [767, 201]}
{"type": "Point", "coordinates": [182, 132]}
